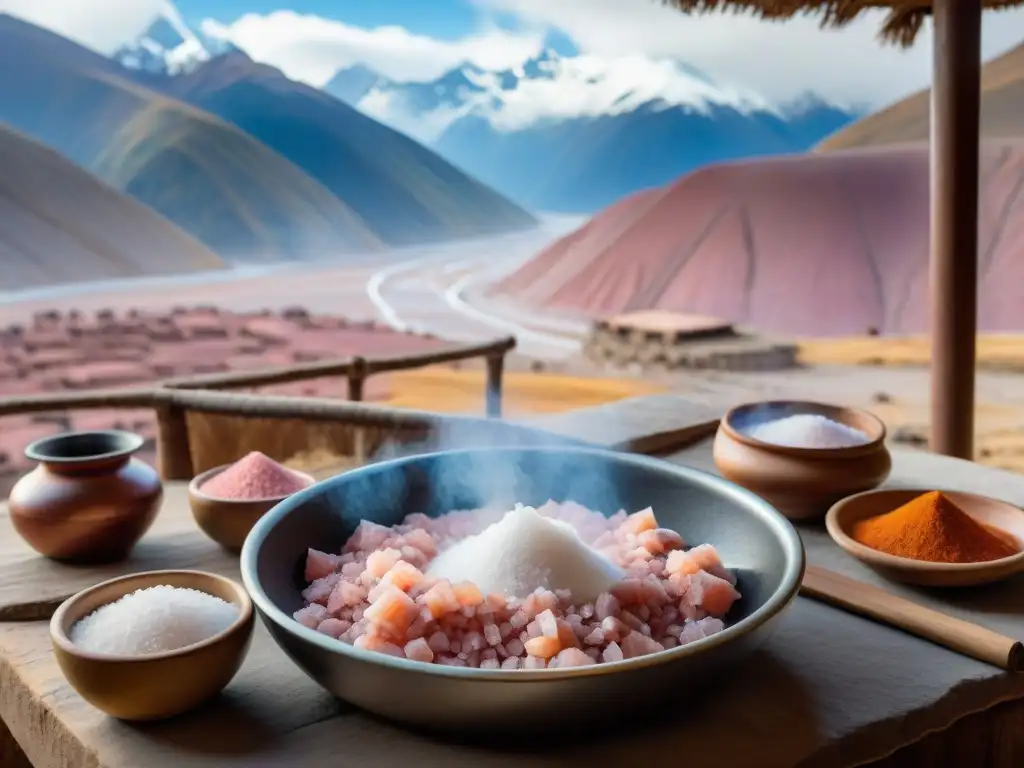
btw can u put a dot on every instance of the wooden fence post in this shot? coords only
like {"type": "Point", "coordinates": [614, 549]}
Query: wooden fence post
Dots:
{"type": "Point", "coordinates": [495, 371]}
{"type": "Point", "coordinates": [356, 378]}
{"type": "Point", "coordinates": [174, 457]}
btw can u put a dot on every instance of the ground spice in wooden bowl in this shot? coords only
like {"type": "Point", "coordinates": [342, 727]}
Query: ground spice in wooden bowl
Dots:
{"type": "Point", "coordinates": [932, 528]}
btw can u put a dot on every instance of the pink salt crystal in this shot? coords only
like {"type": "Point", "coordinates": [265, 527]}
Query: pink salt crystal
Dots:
{"type": "Point", "coordinates": [573, 657]}
{"type": "Point", "coordinates": [612, 653]}
{"type": "Point", "coordinates": [379, 644]}
{"type": "Point", "coordinates": [311, 615]}
{"type": "Point", "coordinates": [368, 537]}
{"type": "Point", "coordinates": [630, 620]}
{"type": "Point", "coordinates": [345, 594]}
{"type": "Point", "coordinates": [403, 575]}
{"type": "Point", "coordinates": [629, 591]}
{"type": "Point", "coordinates": [606, 605]}
{"type": "Point", "coordinates": [566, 635]}
{"type": "Point", "coordinates": [547, 623]}
{"type": "Point", "coordinates": [256, 476]}
{"type": "Point", "coordinates": [319, 564]}
{"type": "Point", "coordinates": [512, 662]}
{"type": "Point", "coordinates": [489, 664]}
{"type": "Point", "coordinates": [544, 646]}
{"type": "Point", "coordinates": [639, 522]}
{"type": "Point", "coordinates": [712, 594]}
{"type": "Point", "coordinates": [468, 595]}
{"type": "Point", "coordinates": [440, 599]}
{"type": "Point", "coordinates": [519, 620]}
{"type": "Point", "coordinates": [637, 644]}
{"type": "Point", "coordinates": [515, 647]}
{"type": "Point", "coordinates": [438, 642]}
{"type": "Point", "coordinates": [492, 634]}
{"type": "Point", "coordinates": [334, 627]}
{"type": "Point", "coordinates": [421, 540]}
{"type": "Point", "coordinates": [659, 541]}
{"type": "Point", "coordinates": [352, 570]}
{"type": "Point", "coordinates": [414, 557]}
{"type": "Point", "coordinates": [614, 628]}
{"type": "Point", "coordinates": [595, 637]}
{"type": "Point", "coordinates": [393, 612]}
{"type": "Point", "coordinates": [381, 561]}
{"type": "Point", "coordinates": [534, 662]}
{"type": "Point", "coordinates": [320, 590]}
{"type": "Point", "coordinates": [419, 650]}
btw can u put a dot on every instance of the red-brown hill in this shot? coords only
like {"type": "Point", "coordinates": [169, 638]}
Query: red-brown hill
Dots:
{"type": "Point", "coordinates": [812, 245]}
{"type": "Point", "coordinates": [908, 120]}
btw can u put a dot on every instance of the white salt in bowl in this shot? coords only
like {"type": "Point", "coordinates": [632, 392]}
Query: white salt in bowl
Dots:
{"type": "Point", "coordinates": [801, 482]}
{"type": "Point", "coordinates": [158, 685]}
{"type": "Point", "coordinates": [754, 541]}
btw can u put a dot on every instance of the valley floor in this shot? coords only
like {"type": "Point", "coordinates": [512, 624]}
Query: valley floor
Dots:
{"type": "Point", "coordinates": [439, 293]}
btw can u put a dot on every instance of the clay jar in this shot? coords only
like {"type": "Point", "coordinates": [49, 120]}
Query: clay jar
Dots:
{"type": "Point", "coordinates": [802, 483]}
{"type": "Point", "coordinates": [88, 499]}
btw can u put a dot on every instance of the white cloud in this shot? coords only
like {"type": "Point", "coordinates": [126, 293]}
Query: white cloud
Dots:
{"type": "Point", "coordinates": [102, 25]}
{"type": "Point", "coordinates": [311, 48]}
{"type": "Point", "coordinates": [778, 60]}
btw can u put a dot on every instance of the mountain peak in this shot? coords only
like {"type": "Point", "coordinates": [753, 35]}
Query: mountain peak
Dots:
{"type": "Point", "coordinates": [168, 46]}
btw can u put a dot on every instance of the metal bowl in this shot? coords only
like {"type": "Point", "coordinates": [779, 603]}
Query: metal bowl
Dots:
{"type": "Point", "coordinates": [754, 540]}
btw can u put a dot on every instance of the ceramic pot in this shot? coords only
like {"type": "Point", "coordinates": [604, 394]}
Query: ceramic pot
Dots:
{"type": "Point", "coordinates": [88, 499]}
{"type": "Point", "coordinates": [802, 483]}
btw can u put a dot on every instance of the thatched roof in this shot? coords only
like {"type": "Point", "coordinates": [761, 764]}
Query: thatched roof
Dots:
{"type": "Point", "coordinates": [901, 25]}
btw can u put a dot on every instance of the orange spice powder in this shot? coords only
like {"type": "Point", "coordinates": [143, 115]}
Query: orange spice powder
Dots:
{"type": "Point", "coordinates": [934, 529]}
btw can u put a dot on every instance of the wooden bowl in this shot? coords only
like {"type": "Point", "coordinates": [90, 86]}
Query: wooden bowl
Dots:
{"type": "Point", "coordinates": [998, 514]}
{"type": "Point", "coordinates": [159, 685]}
{"type": "Point", "coordinates": [802, 483]}
{"type": "Point", "coordinates": [228, 521]}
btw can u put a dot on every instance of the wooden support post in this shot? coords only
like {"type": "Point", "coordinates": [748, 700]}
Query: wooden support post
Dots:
{"type": "Point", "coordinates": [954, 223]}
{"type": "Point", "coordinates": [495, 372]}
{"type": "Point", "coordinates": [359, 444]}
{"type": "Point", "coordinates": [356, 379]}
{"type": "Point", "coordinates": [174, 456]}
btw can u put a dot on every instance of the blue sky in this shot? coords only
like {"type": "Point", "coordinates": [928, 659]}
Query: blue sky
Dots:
{"type": "Point", "coordinates": [310, 40]}
{"type": "Point", "coordinates": [444, 19]}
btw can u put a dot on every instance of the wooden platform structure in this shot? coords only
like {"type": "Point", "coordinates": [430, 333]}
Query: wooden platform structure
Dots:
{"type": "Point", "coordinates": [659, 339]}
{"type": "Point", "coordinates": [828, 689]}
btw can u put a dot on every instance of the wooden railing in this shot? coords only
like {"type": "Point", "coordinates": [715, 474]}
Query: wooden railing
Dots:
{"type": "Point", "coordinates": [172, 400]}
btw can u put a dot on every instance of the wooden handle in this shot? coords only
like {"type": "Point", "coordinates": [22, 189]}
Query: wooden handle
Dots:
{"type": "Point", "coordinates": [955, 634]}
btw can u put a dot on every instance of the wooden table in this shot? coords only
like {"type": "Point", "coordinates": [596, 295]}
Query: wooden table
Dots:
{"type": "Point", "coordinates": [272, 715]}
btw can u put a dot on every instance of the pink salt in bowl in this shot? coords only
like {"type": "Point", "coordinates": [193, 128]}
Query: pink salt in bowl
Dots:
{"type": "Point", "coordinates": [759, 546]}
{"type": "Point", "coordinates": [228, 520]}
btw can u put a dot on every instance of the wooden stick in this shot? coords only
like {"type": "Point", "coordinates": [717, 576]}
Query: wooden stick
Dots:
{"type": "Point", "coordinates": [879, 605]}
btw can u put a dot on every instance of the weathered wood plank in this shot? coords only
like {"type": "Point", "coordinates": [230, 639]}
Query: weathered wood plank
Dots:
{"type": "Point", "coordinates": [651, 425]}
{"type": "Point", "coordinates": [31, 587]}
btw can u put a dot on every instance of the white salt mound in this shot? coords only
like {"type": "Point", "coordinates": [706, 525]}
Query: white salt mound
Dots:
{"type": "Point", "coordinates": [153, 620]}
{"type": "Point", "coordinates": [524, 551]}
{"type": "Point", "coordinates": [808, 430]}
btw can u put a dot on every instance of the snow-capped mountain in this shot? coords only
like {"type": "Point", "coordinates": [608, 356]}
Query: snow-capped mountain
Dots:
{"type": "Point", "coordinates": [168, 46]}
{"type": "Point", "coordinates": [574, 133]}
{"type": "Point", "coordinates": [546, 88]}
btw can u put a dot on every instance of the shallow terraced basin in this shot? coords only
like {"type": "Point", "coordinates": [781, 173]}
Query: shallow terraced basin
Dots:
{"type": "Point", "coordinates": [753, 539]}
